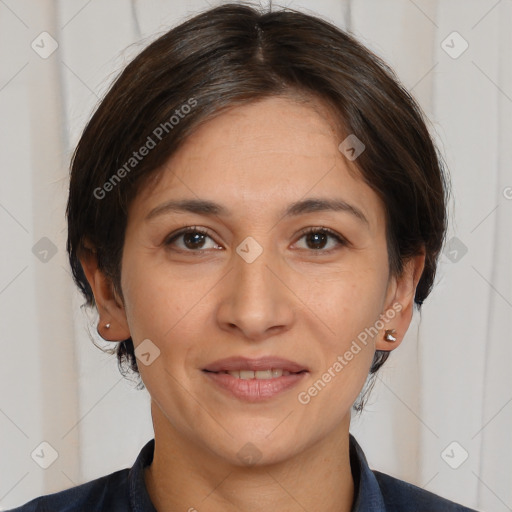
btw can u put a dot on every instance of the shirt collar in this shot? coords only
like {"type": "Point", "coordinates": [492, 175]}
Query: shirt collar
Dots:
{"type": "Point", "coordinates": [139, 497]}
{"type": "Point", "coordinates": [369, 500]}
{"type": "Point", "coordinates": [368, 496]}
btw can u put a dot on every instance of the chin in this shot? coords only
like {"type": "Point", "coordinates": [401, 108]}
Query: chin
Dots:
{"type": "Point", "coordinates": [259, 449]}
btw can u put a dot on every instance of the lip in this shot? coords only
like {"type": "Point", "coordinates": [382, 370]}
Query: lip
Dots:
{"type": "Point", "coordinates": [262, 363]}
{"type": "Point", "coordinates": [254, 390]}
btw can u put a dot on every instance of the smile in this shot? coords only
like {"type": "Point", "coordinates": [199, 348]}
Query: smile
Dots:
{"type": "Point", "coordinates": [254, 386]}
{"type": "Point", "coordinates": [272, 373]}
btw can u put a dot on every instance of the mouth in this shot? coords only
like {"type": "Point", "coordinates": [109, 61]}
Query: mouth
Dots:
{"type": "Point", "coordinates": [271, 373]}
{"type": "Point", "coordinates": [254, 380]}
{"type": "Point", "coordinates": [267, 367]}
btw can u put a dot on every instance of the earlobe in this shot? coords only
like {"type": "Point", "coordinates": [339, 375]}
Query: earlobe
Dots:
{"type": "Point", "coordinates": [400, 304]}
{"type": "Point", "coordinates": [112, 325]}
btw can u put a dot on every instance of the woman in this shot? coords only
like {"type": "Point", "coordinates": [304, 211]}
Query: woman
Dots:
{"type": "Point", "coordinates": [255, 208]}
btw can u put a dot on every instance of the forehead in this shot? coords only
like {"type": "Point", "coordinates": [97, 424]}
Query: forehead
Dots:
{"type": "Point", "coordinates": [260, 155]}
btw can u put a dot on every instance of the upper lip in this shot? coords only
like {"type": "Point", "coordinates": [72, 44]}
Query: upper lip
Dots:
{"type": "Point", "coordinates": [262, 363]}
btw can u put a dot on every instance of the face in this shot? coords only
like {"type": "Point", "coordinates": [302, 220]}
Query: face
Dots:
{"type": "Point", "coordinates": [251, 281]}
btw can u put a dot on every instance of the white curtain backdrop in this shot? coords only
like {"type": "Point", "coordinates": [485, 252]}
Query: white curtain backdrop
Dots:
{"type": "Point", "coordinates": [441, 413]}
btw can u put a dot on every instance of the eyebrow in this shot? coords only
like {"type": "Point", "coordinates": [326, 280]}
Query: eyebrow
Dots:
{"type": "Point", "coordinates": [206, 207]}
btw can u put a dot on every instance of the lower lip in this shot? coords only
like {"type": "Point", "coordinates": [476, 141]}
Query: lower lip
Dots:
{"type": "Point", "coordinates": [255, 390]}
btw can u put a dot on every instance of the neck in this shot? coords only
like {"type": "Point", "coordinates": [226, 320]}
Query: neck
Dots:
{"type": "Point", "coordinates": [185, 476]}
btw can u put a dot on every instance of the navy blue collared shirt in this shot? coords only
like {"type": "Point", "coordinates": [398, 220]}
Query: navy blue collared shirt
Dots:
{"type": "Point", "coordinates": [125, 491]}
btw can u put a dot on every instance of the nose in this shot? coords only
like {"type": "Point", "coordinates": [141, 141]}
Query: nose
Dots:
{"type": "Point", "coordinates": [256, 301]}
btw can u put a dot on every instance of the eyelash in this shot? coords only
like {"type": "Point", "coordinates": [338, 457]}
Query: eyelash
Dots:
{"type": "Point", "coordinates": [196, 229]}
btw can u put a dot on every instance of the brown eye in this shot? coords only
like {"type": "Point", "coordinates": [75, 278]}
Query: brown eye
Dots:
{"type": "Point", "coordinates": [190, 239]}
{"type": "Point", "coordinates": [318, 238]}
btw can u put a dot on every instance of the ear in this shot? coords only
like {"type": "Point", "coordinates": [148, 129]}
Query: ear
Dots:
{"type": "Point", "coordinates": [110, 307]}
{"type": "Point", "coordinates": [400, 300]}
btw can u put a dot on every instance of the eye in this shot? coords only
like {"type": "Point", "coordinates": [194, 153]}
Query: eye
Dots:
{"type": "Point", "coordinates": [317, 239]}
{"type": "Point", "coordinates": [192, 239]}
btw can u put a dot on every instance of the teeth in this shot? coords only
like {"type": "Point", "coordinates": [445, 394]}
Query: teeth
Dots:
{"type": "Point", "coordinates": [263, 374]}
{"type": "Point", "coordinates": [259, 374]}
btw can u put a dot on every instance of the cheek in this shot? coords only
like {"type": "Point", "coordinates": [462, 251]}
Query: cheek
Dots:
{"type": "Point", "coordinates": [346, 308]}
{"type": "Point", "coordinates": [346, 311]}
{"type": "Point", "coordinates": [166, 306]}
{"type": "Point", "coordinates": [147, 285]}
{"type": "Point", "coordinates": [347, 302]}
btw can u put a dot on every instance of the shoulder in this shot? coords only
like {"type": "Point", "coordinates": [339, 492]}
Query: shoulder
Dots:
{"type": "Point", "coordinates": [110, 492]}
{"type": "Point", "coordinates": [117, 492]}
{"type": "Point", "coordinates": [401, 496]}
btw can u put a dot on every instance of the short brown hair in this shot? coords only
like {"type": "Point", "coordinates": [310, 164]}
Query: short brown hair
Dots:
{"type": "Point", "coordinates": [232, 55]}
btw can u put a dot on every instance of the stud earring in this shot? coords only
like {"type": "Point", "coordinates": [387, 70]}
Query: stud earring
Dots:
{"type": "Point", "coordinates": [388, 335]}
{"type": "Point", "coordinates": [107, 326]}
